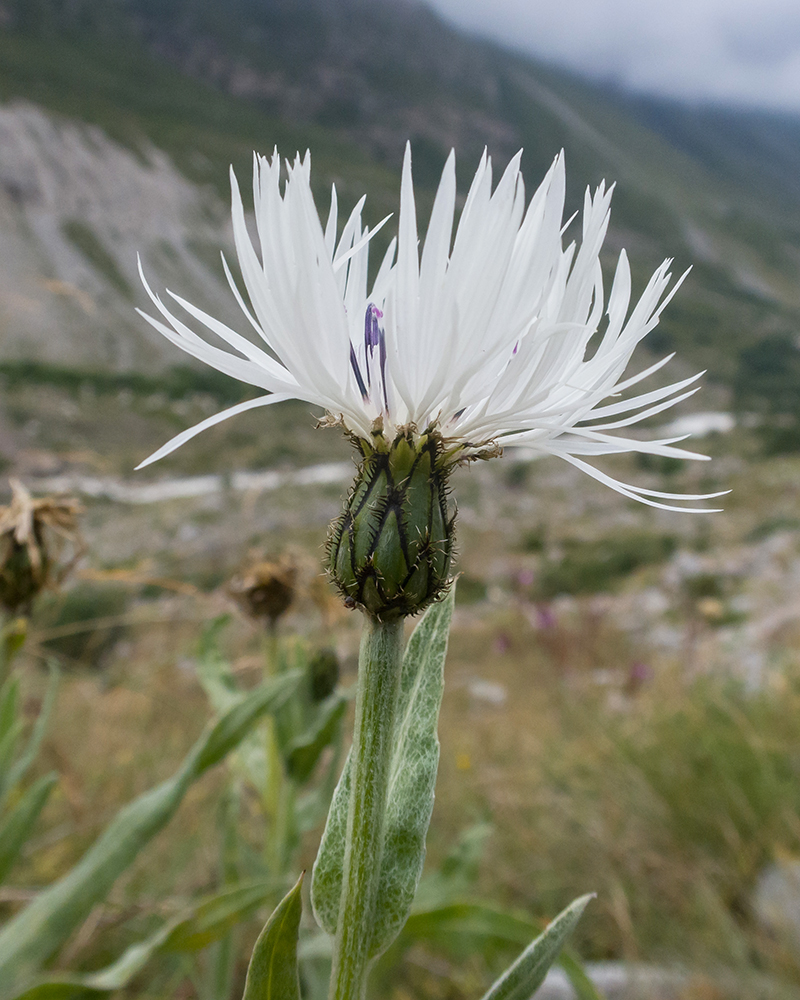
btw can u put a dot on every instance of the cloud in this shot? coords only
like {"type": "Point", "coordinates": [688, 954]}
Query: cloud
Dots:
{"type": "Point", "coordinates": [735, 51]}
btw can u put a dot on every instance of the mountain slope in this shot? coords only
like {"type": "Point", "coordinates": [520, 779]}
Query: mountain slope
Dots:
{"type": "Point", "coordinates": [191, 85]}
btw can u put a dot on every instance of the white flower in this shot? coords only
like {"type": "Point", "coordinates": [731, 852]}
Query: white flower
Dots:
{"type": "Point", "coordinates": [500, 335]}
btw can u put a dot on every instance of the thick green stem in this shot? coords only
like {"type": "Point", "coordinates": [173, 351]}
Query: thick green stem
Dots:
{"type": "Point", "coordinates": [373, 737]}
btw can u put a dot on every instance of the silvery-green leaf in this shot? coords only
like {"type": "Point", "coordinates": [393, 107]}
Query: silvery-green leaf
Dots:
{"type": "Point", "coordinates": [273, 972]}
{"type": "Point", "coordinates": [326, 877]}
{"type": "Point", "coordinates": [39, 930]}
{"type": "Point", "coordinates": [521, 980]}
{"type": "Point", "coordinates": [411, 789]}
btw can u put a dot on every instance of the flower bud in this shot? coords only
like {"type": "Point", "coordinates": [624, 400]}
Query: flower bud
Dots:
{"type": "Point", "coordinates": [323, 674]}
{"type": "Point", "coordinates": [389, 550]}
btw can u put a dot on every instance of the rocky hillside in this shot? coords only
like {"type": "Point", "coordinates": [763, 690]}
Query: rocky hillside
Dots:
{"type": "Point", "coordinates": [119, 118]}
{"type": "Point", "coordinates": [75, 209]}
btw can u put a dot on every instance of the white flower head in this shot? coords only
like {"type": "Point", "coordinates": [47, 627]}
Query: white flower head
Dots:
{"type": "Point", "coordinates": [500, 335]}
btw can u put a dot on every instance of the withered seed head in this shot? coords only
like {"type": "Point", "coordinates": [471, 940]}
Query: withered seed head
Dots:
{"type": "Point", "coordinates": [266, 589]}
{"type": "Point", "coordinates": [40, 542]}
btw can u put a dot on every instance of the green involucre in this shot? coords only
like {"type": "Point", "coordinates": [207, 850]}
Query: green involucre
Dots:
{"type": "Point", "coordinates": [390, 549]}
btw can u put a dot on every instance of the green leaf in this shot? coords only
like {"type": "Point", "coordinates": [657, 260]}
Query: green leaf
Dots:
{"type": "Point", "coordinates": [9, 700]}
{"type": "Point", "coordinates": [234, 725]}
{"type": "Point", "coordinates": [305, 750]}
{"type": "Point", "coordinates": [521, 980]}
{"type": "Point", "coordinates": [273, 973]}
{"type": "Point", "coordinates": [458, 873]}
{"type": "Point", "coordinates": [582, 985]}
{"type": "Point", "coordinates": [411, 789]}
{"type": "Point", "coordinates": [312, 807]}
{"type": "Point", "coordinates": [216, 679]}
{"type": "Point", "coordinates": [61, 990]}
{"type": "Point", "coordinates": [10, 731]}
{"type": "Point", "coordinates": [16, 827]}
{"type": "Point", "coordinates": [213, 917]}
{"type": "Point", "coordinates": [205, 921]}
{"type": "Point", "coordinates": [213, 671]}
{"type": "Point", "coordinates": [20, 768]}
{"type": "Point", "coordinates": [463, 927]}
{"type": "Point", "coordinates": [38, 931]}
{"type": "Point", "coordinates": [12, 639]}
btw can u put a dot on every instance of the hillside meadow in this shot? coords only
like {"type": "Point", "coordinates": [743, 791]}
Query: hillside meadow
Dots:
{"type": "Point", "coordinates": [621, 708]}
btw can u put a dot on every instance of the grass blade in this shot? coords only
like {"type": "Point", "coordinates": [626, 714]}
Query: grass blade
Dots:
{"type": "Point", "coordinates": [38, 931]}
{"type": "Point", "coordinates": [20, 768]}
{"type": "Point", "coordinates": [206, 921]}
{"type": "Point", "coordinates": [16, 827]}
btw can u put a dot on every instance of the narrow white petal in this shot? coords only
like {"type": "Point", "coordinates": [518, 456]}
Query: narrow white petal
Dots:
{"type": "Point", "coordinates": [498, 331]}
{"type": "Point", "coordinates": [628, 491]}
{"type": "Point", "coordinates": [333, 218]}
{"type": "Point", "coordinates": [232, 411]}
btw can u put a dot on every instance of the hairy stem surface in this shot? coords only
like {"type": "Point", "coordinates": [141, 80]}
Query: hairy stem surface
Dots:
{"type": "Point", "coordinates": [373, 736]}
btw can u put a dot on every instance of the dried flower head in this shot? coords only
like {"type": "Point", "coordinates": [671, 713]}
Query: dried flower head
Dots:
{"type": "Point", "coordinates": [40, 542]}
{"type": "Point", "coordinates": [266, 589]}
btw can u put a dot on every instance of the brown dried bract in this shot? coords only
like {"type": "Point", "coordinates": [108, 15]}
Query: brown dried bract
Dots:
{"type": "Point", "coordinates": [40, 542]}
{"type": "Point", "coordinates": [266, 589]}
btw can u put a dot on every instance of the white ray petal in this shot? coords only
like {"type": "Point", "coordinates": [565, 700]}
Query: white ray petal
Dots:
{"type": "Point", "coordinates": [498, 331]}
{"type": "Point", "coordinates": [640, 497]}
{"type": "Point", "coordinates": [232, 411]}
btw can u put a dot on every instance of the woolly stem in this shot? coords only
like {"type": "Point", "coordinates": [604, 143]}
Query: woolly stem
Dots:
{"type": "Point", "coordinates": [376, 708]}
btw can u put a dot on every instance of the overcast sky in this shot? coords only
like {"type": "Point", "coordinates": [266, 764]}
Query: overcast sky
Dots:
{"type": "Point", "coordinates": [736, 51]}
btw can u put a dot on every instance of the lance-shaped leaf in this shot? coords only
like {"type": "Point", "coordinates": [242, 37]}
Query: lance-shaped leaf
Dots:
{"type": "Point", "coordinates": [20, 767]}
{"type": "Point", "coordinates": [467, 927]}
{"type": "Point", "coordinates": [305, 750]}
{"type": "Point", "coordinates": [213, 671]}
{"type": "Point", "coordinates": [211, 918]}
{"type": "Point", "coordinates": [463, 929]}
{"type": "Point", "coordinates": [205, 921]}
{"type": "Point", "coordinates": [38, 931]}
{"type": "Point", "coordinates": [11, 726]}
{"type": "Point", "coordinates": [411, 789]}
{"type": "Point", "coordinates": [16, 826]}
{"type": "Point", "coordinates": [526, 975]}
{"type": "Point", "coordinates": [578, 978]}
{"type": "Point", "coordinates": [273, 973]}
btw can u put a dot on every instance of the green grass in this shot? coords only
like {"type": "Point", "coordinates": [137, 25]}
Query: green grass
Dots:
{"type": "Point", "coordinates": [70, 616]}
{"type": "Point", "coordinates": [589, 567]}
{"type": "Point", "coordinates": [139, 101]}
{"type": "Point", "coordinates": [176, 383]}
